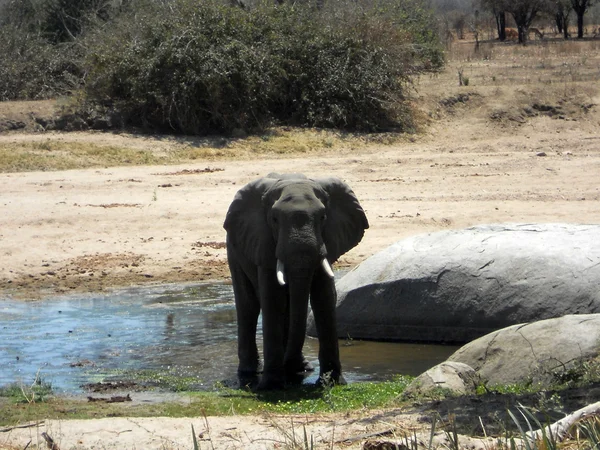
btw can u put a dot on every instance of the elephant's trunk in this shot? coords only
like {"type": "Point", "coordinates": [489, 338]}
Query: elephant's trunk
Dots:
{"type": "Point", "coordinates": [299, 291]}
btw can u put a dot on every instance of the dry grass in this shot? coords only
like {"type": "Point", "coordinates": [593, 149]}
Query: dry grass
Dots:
{"type": "Point", "coordinates": [507, 80]}
{"type": "Point", "coordinates": [58, 151]}
{"type": "Point", "coordinates": [57, 155]}
{"type": "Point", "coordinates": [541, 62]}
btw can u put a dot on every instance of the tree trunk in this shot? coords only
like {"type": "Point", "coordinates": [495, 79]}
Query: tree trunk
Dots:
{"type": "Point", "coordinates": [580, 24]}
{"type": "Point", "coordinates": [565, 27]}
{"type": "Point", "coordinates": [558, 19]}
{"type": "Point", "coordinates": [522, 34]}
{"type": "Point", "coordinates": [501, 25]}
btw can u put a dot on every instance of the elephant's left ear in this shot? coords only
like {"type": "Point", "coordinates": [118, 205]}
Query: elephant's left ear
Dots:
{"type": "Point", "coordinates": [346, 220]}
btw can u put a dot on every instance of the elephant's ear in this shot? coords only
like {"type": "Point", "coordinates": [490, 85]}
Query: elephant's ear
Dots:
{"type": "Point", "coordinates": [246, 222]}
{"type": "Point", "coordinates": [346, 220]}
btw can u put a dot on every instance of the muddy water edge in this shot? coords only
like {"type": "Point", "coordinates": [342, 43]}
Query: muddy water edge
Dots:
{"type": "Point", "coordinates": [171, 337]}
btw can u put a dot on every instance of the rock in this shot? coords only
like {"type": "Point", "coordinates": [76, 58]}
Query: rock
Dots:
{"type": "Point", "coordinates": [457, 285]}
{"type": "Point", "coordinates": [540, 352]}
{"type": "Point", "coordinates": [452, 377]}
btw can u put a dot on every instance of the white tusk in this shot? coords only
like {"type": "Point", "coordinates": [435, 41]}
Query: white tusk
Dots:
{"type": "Point", "coordinates": [280, 276]}
{"type": "Point", "coordinates": [327, 268]}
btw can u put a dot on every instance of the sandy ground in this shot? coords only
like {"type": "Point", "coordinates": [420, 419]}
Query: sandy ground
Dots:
{"type": "Point", "coordinates": [480, 161]}
{"type": "Point", "coordinates": [233, 432]}
{"type": "Point", "coordinates": [95, 229]}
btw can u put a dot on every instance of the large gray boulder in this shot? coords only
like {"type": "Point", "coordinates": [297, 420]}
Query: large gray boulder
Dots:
{"type": "Point", "coordinates": [537, 352]}
{"type": "Point", "coordinates": [455, 286]}
{"type": "Point", "coordinates": [448, 377]}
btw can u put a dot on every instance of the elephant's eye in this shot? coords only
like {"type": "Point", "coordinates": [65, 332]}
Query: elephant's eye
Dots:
{"type": "Point", "coordinates": [323, 217]}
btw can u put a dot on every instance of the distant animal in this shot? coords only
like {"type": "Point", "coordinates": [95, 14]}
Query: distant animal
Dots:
{"type": "Point", "coordinates": [512, 34]}
{"type": "Point", "coordinates": [536, 32]}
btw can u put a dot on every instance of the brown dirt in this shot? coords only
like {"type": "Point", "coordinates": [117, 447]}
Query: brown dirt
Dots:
{"type": "Point", "coordinates": [520, 143]}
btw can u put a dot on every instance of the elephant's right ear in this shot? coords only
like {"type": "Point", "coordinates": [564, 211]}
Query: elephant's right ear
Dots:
{"type": "Point", "coordinates": [248, 231]}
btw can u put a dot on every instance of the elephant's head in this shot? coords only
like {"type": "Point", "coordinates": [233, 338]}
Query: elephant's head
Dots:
{"type": "Point", "coordinates": [293, 224]}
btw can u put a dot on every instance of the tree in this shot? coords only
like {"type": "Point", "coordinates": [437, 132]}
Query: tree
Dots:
{"type": "Point", "coordinates": [498, 9]}
{"type": "Point", "coordinates": [524, 12]}
{"type": "Point", "coordinates": [561, 10]}
{"type": "Point", "coordinates": [580, 7]}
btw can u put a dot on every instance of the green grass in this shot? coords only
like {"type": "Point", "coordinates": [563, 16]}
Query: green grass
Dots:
{"type": "Point", "coordinates": [223, 401]}
{"type": "Point", "coordinates": [17, 393]}
{"type": "Point", "coordinates": [338, 398]}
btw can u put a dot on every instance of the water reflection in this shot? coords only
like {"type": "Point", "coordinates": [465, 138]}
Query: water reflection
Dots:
{"type": "Point", "coordinates": [188, 330]}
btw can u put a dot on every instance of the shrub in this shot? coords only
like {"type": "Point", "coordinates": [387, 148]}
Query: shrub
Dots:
{"type": "Point", "coordinates": [35, 63]}
{"type": "Point", "coordinates": [64, 20]}
{"type": "Point", "coordinates": [32, 68]}
{"type": "Point", "coordinates": [203, 67]}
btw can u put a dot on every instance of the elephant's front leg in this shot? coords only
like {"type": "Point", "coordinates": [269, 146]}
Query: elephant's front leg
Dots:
{"type": "Point", "coordinates": [323, 299]}
{"type": "Point", "coordinates": [247, 307]}
{"type": "Point", "coordinates": [273, 305]}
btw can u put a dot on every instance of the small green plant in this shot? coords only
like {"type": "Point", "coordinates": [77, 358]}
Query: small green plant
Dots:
{"type": "Point", "coordinates": [539, 438]}
{"type": "Point", "coordinates": [291, 440]}
{"type": "Point", "coordinates": [452, 434]}
{"type": "Point", "coordinates": [38, 391]}
{"type": "Point", "coordinates": [590, 429]}
{"type": "Point", "coordinates": [194, 440]}
{"type": "Point", "coordinates": [549, 401]}
{"type": "Point", "coordinates": [523, 387]}
{"type": "Point", "coordinates": [581, 372]}
{"type": "Point", "coordinates": [308, 445]}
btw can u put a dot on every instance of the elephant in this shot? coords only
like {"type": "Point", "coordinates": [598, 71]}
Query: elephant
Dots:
{"type": "Point", "coordinates": [283, 234]}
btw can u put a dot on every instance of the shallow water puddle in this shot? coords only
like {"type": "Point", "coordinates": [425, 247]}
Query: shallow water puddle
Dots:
{"type": "Point", "coordinates": [180, 330]}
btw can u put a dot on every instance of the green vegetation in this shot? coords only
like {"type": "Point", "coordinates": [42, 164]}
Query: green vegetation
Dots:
{"type": "Point", "coordinates": [38, 391]}
{"type": "Point", "coordinates": [199, 67]}
{"type": "Point", "coordinates": [590, 429]}
{"type": "Point", "coordinates": [338, 398]}
{"type": "Point", "coordinates": [514, 433]}
{"type": "Point", "coordinates": [222, 401]}
{"type": "Point", "coordinates": [548, 439]}
{"type": "Point", "coordinates": [581, 373]}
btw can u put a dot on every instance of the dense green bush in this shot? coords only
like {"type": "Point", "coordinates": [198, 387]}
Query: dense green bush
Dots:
{"type": "Point", "coordinates": [201, 67]}
{"type": "Point", "coordinates": [40, 51]}
{"type": "Point", "coordinates": [32, 68]}
{"type": "Point", "coordinates": [65, 20]}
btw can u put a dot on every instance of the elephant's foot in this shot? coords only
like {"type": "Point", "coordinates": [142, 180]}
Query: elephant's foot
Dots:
{"type": "Point", "coordinates": [247, 380]}
{"type": "Point", "coordinates": [299, 366]}
{"type": "Point", "coordinates": [329, 379]}
{"type": "Point", "coordinates": [249, 368]}
{"type": "Point", "coordinates": [271, 382]}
